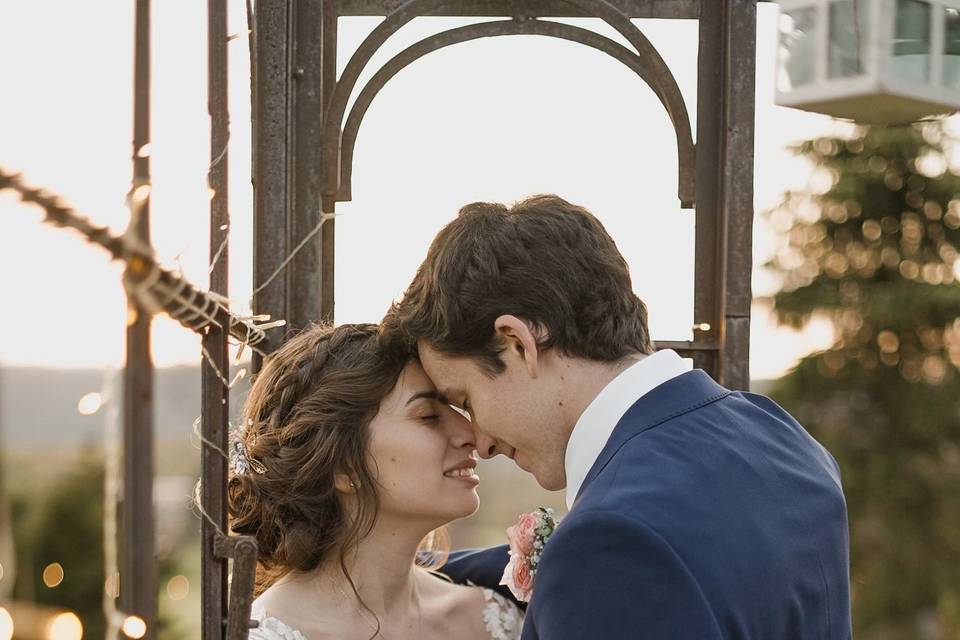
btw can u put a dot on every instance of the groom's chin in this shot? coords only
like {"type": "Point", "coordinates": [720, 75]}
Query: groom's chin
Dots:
{"type": "Point", "coordinates": [550, 482]}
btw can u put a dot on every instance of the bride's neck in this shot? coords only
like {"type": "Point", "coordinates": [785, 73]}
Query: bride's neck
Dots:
{"type": "Point", "coordinates": [382, 569]}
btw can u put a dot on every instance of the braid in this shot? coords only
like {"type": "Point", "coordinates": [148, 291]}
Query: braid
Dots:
{"type": "Point", "coordinates": [305, 421]}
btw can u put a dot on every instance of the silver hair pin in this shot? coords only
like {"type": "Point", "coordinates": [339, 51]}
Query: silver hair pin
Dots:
{"type": "Point", "coordinates": [241, 462]}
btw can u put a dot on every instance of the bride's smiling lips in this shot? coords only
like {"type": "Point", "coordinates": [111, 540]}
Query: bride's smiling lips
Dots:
{"type": "Point", "coordinates": [465, 470]}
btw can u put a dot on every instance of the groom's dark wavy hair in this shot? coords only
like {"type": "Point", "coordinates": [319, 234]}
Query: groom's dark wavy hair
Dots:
{"type": "Point", "coordinates": [544, 260]}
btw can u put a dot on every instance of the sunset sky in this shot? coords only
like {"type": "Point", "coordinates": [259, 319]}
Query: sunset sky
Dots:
{"type": "Point", "coordinates": [497, 119]}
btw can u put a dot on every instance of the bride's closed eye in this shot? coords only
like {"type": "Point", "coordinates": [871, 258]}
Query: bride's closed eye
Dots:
{"type": "Point", "coordinates": [426, 412]}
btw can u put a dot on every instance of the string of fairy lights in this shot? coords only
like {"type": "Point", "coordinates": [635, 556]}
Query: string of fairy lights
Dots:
{"type": "Point", "coordinates": [160, 291]}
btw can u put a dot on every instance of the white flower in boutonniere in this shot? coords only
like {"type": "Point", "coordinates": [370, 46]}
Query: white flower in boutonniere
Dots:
{"type": "Point", "coordinates": [527, 540]}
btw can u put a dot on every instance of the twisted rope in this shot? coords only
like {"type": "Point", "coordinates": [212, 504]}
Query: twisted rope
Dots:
{"type": "Point", "coordinates": [155, 287]}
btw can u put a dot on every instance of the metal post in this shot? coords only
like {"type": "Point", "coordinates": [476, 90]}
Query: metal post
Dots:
{"type": "Point", "coordinates": [271, 66]}
{"type": "Point", "coordinates": [725, 187]}
{"type": "Point", "coordinates": [310, 285]}
{"type": "Point", "coordinates": [739, 47]}
{"type": "Point", "coordinates": [138, 574]}
{"type": "Point", "coordinates": [295, 67]}
{"type": "Point", "coordinates": [215, 364]}
{"type": "Point", "coordinates": [328, 234]}
{"type": "Point", "coordinates": [708, 283]}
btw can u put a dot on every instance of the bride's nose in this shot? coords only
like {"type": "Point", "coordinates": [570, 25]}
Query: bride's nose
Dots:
{"type": "Point", "coordinates": [461, 432]}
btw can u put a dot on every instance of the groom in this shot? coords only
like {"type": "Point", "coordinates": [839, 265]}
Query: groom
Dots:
{"type": "Point", "coordinates": [695, 511]}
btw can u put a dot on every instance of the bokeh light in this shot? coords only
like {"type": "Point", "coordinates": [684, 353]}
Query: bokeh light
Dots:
{"type": "Point", "coordinates": [178, 587]}
{"type": "Point", "coordinates": [89, 404]}
{"type": "Point", "coordinates": [65, 626]}
{"type": "Point", "coordinates": [53, 575]}
{"type": "Point", "coordinates": [134, 627]}
{"type": "Point", "coordinates": [6, 625]}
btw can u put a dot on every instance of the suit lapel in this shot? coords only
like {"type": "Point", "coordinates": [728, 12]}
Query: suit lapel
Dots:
{"type": "Point", "coordinates": [674, 397]}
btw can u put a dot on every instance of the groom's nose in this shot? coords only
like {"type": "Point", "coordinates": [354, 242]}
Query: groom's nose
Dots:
{"type": "Point", "coordinates": [486, 446]}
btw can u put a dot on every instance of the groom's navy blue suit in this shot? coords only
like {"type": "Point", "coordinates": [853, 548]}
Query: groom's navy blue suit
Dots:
{"type": "Point", "coordinates": [709, 514]}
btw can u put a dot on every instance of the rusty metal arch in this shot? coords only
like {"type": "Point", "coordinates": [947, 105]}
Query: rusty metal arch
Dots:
{"type": "Point", "coordinates": [663, 83]}
{"type": "Point", "coordinates": [295, 60]}
{"type": "Point", "coordinates": [686, 153]}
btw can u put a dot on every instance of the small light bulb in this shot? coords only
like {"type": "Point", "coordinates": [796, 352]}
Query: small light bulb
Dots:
{"type": "Point", "coordinates": [134, 627]}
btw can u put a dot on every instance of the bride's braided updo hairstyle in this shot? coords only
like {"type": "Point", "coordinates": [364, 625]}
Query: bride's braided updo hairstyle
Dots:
{"type": "Point", "coordinates": [305, 421]}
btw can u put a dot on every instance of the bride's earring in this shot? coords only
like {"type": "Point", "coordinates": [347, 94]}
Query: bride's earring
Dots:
{"type": "Point", "coordinates": [344, 484]}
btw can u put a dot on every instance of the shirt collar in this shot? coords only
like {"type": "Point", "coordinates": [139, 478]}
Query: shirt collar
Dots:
{"type": "Point", "coordinates": [601, 416]}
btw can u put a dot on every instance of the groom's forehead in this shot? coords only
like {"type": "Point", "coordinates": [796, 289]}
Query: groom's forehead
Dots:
{"type": "Point", "coordinates": [451, 375]}
{"type": "Point", "coordinates": [446, 392]}
{"type": "Point", "coordinates": [436, 363]}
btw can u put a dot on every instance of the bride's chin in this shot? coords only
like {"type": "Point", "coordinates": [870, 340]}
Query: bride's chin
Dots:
{"type": "Point", "coordinates": [468, 508]}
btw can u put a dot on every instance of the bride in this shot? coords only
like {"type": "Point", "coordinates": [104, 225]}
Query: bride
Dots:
{"type": "Point", "coordinates": [348, 465]}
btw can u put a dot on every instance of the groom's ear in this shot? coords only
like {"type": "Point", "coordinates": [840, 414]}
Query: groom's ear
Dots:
{"type": "Point", "coordinates": [520, 337]}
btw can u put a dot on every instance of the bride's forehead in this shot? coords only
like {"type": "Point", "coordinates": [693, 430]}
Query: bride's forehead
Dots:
{"type": "Point", "coordinates": [414, 378]}
{"type": "Point", "coordinates": [411, 383]}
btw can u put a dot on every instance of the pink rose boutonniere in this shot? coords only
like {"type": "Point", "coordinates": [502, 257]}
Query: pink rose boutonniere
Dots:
{"type": "Point", "coordinates": [527, 539]}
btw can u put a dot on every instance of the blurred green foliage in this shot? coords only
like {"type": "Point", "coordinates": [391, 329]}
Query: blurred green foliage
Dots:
{"type": "Point", "coordinates": [63, 522]}
{"type": "Point", "coordinates": [64, 526]}
{"type": "Point", "coordinates": [873, 247]}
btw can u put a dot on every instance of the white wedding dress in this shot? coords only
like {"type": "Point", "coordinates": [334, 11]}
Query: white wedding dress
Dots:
{"type": "Point", "coordinates": [502, 618]}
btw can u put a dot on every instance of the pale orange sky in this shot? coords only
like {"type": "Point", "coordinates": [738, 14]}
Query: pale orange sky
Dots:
{"type": "Point", "coordinates": [494, 120]}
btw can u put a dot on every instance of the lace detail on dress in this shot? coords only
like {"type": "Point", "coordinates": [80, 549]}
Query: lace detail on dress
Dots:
{"type": "Point", "coordinates": [273, 629]}
{"type": "Point", "coordinates": [504, 620]}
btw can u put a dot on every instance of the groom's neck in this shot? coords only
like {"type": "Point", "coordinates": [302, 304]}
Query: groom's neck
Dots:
{"type": "Point", "coordinates": [583, 380]}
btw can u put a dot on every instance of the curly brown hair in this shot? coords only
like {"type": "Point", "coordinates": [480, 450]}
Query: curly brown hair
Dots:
{"type": "Point", "coordinates": [544, 260]}
{"type": "Point", "coordinates": [305, 421]}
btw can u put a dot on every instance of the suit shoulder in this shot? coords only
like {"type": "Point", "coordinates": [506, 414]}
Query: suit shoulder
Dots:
{"type": "Point", "coordinates": [601, 528]}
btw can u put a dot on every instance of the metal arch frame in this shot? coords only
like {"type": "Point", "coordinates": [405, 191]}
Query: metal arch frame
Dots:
{"type": "Point", "coordinates": [295, 81]}
{"type": "Point", "coordinates": [341, 191]}
{"type": "Point", "coordinates": [656, 74]}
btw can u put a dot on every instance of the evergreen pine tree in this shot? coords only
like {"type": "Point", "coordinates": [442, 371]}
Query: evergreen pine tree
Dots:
{"type": "Point", "coordinates": [876, 251]}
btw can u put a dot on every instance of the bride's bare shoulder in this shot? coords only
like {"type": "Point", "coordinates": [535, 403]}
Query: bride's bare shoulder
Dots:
{"type": "Point", "coordinates": [443, 589]}
{"type": "Point", "coordinates": [476, 612]}
{"type": "Point", "coordinates": [280, 614]}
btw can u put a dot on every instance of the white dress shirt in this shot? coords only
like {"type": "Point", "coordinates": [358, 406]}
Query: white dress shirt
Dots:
{"type": "Point", "coordinates": [598, 420]}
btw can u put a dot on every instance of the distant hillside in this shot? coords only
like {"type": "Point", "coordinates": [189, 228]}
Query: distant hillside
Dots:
{"type": "Point", "coordinates": [42, 433]}
{"type": "Point", "coordinates": [38, 407]}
